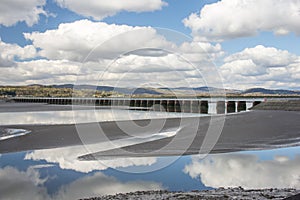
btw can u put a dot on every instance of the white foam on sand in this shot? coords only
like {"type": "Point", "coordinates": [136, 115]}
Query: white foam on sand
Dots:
{"type": "Point", "coordinates": [8, 133]}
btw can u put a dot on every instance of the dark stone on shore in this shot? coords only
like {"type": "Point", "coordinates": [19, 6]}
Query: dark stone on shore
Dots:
{"type": "Point", "coordinates": [294, 197]}
{"type": "Point", "coordinates": [287, 105]}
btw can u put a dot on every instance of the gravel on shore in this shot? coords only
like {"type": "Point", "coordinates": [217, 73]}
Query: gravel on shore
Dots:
{"type": "Point", "coordinates": [216, 194]}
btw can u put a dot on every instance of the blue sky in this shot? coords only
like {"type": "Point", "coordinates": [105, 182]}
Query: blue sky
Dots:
{"type": "Point", "coordinates": [168, 17]}
{"type": "Point", "coordinates": [243, 43]}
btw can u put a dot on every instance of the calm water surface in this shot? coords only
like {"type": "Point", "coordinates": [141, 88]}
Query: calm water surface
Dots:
{"type": "Point", "coordinates": [57, 174]}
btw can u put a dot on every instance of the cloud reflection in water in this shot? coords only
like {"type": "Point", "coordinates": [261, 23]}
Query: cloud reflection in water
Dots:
{"type": "Point", "coordinates": [66, 158]}
{"type": "Point", "coordinates": [15, 184]}
{"type": "Point", "coordinates": [83, 116]}
{"type": "Point", "coordinates": [248, 171]}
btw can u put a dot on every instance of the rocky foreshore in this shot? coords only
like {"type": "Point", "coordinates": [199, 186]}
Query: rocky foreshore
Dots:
{"type": "Point", "coordinates": [216, 194]}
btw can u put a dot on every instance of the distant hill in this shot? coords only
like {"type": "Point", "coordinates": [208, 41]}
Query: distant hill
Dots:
{"type": "Point", "coordinates": [66, 90]}
{"type": "Point", "coordinates": [63, 86]}
{"type": "Point", "coordinates": [137, 91]}
{"type": "Point", "coordinates": [110, 89]}
{"type": "Point", "coordinates": [199, 90]}
{"type": "Point", "coordinates": [86, 87]}
{"type": "Point", "coordinates": [181, 90]}
{"type": "Point", "coordinates": [36, 85]}
{"type": "Point", "coordinates": [268, 91]}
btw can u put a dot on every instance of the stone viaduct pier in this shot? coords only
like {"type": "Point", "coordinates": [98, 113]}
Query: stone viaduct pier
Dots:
{"type": "Point", "coordinates": [204, 105]}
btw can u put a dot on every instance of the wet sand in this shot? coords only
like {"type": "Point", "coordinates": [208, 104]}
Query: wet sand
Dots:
{"type": "Point", "coordinates": [245, 131]}
{"type": "Point", "coordinates": [258, 129]}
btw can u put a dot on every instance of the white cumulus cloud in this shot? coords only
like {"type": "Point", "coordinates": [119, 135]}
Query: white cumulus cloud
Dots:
{"type": "Point", "coordinates": [227, 19]}
{"type": "Point", "coordinates": [40, 71]}
{"type": "Point", "coordinates": [74, 41]}
{"type": "Point", "coordinates": [143, 54]}
{"type": "Point", "coordinates": [10, 52]}
{"type": "Point", "coordinates": [104, 8]}
{"type": "Point", "coordinates": [13, 11]}
{"type": "Point", "coordinates": [264, 56]}
{"type": "Point", "coordinates": [261, 66]}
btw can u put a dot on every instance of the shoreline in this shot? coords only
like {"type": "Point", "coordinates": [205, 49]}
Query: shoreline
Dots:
{"type": "Point", "coordinates": [214, 194]}
{"type": "Point", "coordinates": [286, 105]}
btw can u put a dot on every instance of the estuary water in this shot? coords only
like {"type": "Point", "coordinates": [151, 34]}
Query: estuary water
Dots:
{"type": "Point", "coordinates": [59, 173]}
{"type": "Point", "coordinates": [84, 116]}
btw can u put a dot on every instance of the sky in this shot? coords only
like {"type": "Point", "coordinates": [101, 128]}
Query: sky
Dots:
{"type": "Point", "coordinates": [235, 44]}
